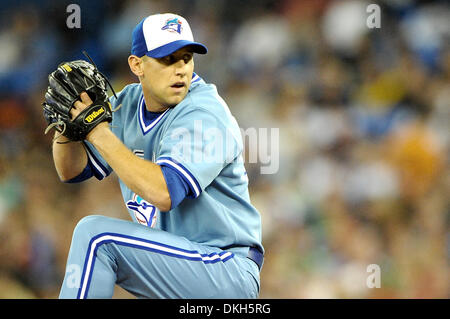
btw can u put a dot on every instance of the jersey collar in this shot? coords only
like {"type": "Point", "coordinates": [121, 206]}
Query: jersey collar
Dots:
{"type": "Point", "coordinates": [196, 80]}
{"type": "Point", "coordinates": [148, 123]}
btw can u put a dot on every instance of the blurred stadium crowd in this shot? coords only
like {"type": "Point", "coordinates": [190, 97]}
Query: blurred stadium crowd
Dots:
{"type": "Point", "coordinates": [364, 141]}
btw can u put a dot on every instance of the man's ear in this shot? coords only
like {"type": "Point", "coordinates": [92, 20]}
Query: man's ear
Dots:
{"type": "Point", "coordinates": [136, 65]}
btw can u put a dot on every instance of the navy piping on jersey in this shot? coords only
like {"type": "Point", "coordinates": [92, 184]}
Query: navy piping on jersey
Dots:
{"type": "Point", "coordinates": [139, 243]}
{"type": "Point", "coordinates": [195, 78]}
{"type": "Point", "coordinates": [187, 176]}
{"type": "Point", "coordinates": [99, 170]}
{"type": "Point", "coordinates": [145, 123]}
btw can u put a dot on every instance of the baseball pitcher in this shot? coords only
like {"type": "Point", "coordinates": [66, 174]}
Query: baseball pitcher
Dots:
{"type": "Point", "coordinates": [177, 151]}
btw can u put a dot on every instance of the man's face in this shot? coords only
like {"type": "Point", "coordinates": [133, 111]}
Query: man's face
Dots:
{"type": "Point", "coordinates": [166, 80]}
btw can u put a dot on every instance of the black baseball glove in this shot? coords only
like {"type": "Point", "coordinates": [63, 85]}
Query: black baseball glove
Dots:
{"type": "Point", "coordinates": [65, 86]}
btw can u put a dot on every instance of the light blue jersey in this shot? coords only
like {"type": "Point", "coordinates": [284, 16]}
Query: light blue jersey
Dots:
{"type": "Point", "coordinates": [201, 139]}
{"type": "Point", "coordinates": [209, 244]}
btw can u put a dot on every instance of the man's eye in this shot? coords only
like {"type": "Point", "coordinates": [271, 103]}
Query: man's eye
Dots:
{"type": "Point", "coordinates": [171, 59]}
{"type": "Point", "coordinates": [167, 59]}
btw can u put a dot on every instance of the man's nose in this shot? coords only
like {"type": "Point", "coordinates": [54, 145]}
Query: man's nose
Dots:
{"type": "Point", "coordinates": [180, 67]}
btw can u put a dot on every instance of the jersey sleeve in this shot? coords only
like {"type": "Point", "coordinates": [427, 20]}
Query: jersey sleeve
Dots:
{"type": "Point", "coordinates": [198, 144]}
{"type": "Point", "coordinates": [178, 188]}
{"type": "Point", "coordinates": [84, 175]}
{"type": "Point", "coordinates": [99, 166]}
{"type": "Point", "coordinates": [96, 165]}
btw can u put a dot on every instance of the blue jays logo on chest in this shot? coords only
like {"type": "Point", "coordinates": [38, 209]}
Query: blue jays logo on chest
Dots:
{"type": "Point", "coordinates": [144, 212]}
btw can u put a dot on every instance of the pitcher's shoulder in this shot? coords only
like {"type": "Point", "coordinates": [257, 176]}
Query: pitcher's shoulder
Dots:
{"type": "Point", "coordinates": [205, 96]}
{"type": "Point", "coordinates": [129, 95]}
{"type": "Point", "coordinates": [129, 91]}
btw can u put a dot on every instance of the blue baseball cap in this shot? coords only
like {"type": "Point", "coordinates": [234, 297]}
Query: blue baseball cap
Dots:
{"type": "Point", "coordinates": [159, 35]}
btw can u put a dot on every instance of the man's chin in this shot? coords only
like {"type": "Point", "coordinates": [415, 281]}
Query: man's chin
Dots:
{"type": "Point", "coordinates": [174, 102]}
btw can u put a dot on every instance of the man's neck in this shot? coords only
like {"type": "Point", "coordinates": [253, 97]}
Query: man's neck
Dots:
{"type": "Point", "coordinates": [152, 106]}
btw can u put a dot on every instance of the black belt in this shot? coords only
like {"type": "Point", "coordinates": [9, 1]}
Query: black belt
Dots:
{"type": "Point", "coordinates": [255, 255]}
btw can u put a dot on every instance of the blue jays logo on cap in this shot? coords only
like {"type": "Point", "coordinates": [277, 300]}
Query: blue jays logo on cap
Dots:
{"type": "Point", "coordinates": [150, 37]}
{"type": "Point", "coordinates": [173, 25]}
